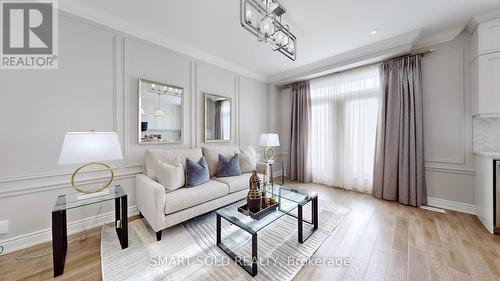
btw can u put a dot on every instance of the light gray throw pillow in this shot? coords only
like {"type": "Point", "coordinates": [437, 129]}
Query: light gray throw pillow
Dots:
{"type": "Point", "coordinates": [171, 175]}
{"type": "Point", "coordinates": [247, 160]}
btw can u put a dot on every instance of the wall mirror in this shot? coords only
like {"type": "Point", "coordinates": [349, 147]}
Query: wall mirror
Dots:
{"type": "Point", "coordinates": [217, 118]}
{"type": "Point", "coordinates": [160, 113]}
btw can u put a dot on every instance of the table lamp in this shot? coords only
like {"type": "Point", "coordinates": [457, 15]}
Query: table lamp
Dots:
{"type": "Point", "coordinates": [90, 148]}
{"type": "Point", "coordinates": [269, 141]}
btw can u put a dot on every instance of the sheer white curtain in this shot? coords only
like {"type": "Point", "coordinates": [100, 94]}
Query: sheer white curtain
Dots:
{"type": "Point", "coordinates": [343, 128]}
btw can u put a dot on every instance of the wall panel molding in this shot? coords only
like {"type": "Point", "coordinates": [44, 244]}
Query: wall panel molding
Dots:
{"type": "Point", "coordinates": [115, 84]}
{"type": "Point", "coordinates": [125, 99]}
{"type": "Point", "coordinates": [237, 109]}
{"type": "Point", "coordinates": [194, 115]}
{"type": "Point", "coordinates": [460, 156]}
{"type": "Point", "coordinates": [41, 183]}
{"type": "Point", "coordinates": [451, 170]}
{"type": "Point", "coordinates": [120, 54]}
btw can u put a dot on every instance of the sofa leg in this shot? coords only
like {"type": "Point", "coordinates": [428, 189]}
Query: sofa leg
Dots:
{"type": "Point", "coordinates": [158, 235]}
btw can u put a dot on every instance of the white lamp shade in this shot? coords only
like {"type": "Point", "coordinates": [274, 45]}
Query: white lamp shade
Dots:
{"type": "Point", "coordinates": [269, 140]}
{"type": "Point", "coordinates": [84, 147]}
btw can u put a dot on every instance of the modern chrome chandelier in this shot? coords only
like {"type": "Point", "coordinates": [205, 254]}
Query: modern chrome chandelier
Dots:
{"type": "Point", "coordinates": [262, 18]}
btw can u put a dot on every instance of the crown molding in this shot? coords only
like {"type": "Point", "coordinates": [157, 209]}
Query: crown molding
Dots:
{"type": "Point", "coordinates": [438, 38]}
{"type": "Point", "coordinates": [365, 55]}
{"type": "Point", "coordinates": [476, 20]}
{"type": "Point", "coordinates": [357, 57]}
{"type": "Point", "coordinates": [108, 20]}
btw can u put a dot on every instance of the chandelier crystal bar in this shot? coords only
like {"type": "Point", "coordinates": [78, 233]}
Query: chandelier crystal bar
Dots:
{"type": "Point", "coordinates": [262, 18]}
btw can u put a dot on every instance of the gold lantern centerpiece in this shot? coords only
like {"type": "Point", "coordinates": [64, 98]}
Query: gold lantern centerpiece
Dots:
{"type": "Point", "coordinates": [254, 197]}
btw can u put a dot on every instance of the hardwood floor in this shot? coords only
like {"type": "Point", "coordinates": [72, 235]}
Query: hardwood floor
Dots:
{"type": "Point", "coordinates": [383, 240]}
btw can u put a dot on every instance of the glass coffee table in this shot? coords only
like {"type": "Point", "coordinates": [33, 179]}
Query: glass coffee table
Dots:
{"type": "Point", "coordinates": [70, 201]}
{"type": "Point", "coordinates": [289, 199]}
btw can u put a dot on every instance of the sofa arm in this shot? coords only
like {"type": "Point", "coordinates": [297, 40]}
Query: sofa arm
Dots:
{"type": "Point", "coordinates": [262, 168]}
{"type": "Point", "coordinates": [150, 200]}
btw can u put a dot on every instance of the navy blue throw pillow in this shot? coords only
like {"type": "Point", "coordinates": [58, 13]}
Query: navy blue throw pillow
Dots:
{"type": "Point", "coordinates": [228, 168]}
{"type": "Point", "coordinates": [196, 173]}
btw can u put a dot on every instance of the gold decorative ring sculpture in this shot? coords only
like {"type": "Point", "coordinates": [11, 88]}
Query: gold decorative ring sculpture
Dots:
{"type": "Point", "coordinates": [99, 188]}
{"type": "Point", "coordinates": [269, 153]}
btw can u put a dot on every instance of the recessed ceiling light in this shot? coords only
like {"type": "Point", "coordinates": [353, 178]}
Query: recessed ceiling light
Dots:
{"type": "Point", "coordinates": [375, 31]}
{"type": "Point", "coordinates": [285, 64]}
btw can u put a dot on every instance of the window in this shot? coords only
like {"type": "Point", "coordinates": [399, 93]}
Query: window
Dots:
{"type": "Point", "coordinates": [344, 110]}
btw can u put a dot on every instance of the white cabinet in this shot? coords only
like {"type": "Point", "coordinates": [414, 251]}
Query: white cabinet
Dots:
{"type": "Point", "coordinates": [486, 68]}
{"type": "Point", "coordinates": [475, 86]}
{"type": "Point", "coordinates": [488, 37]}
{"type": "Point", "coordinates": [486, 84]}
{"type": "Point", "coordinates": [484, 190]}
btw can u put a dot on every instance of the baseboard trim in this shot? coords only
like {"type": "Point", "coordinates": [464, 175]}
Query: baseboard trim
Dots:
{"type": "Point", "coordinates": [451, 205]}
{"type": "Point", "coordinates": [45, 235]}
{"type": "Point", "coordinates": [433, 209]}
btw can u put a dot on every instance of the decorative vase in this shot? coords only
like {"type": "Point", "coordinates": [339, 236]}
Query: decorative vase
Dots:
{"type": "Point", "coordinates": [254, 197]}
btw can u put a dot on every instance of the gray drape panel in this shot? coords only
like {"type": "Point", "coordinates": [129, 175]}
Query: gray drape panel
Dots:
{"type": "Point", "coordinates": [301, 114]}
{"type": "Point", "coordinates": [399, 156]}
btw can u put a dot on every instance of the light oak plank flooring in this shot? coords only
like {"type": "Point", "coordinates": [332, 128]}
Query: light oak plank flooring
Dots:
{"type": "Point", "coordinates": [383, 240]}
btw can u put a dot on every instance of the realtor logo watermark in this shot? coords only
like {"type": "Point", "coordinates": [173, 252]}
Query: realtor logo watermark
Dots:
{"type": "Point", "coordinates": [29, 34]}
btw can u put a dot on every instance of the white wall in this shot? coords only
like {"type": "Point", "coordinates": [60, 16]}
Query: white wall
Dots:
{"type": "Point", "coordinates": [447, 124]}
{"type": "Point", "coordinates": [96, 87]}
{"type": "Point", "coordinates": [252, 103]}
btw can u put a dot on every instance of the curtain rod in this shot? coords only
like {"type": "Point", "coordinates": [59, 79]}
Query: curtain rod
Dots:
{"type": "Point", "coordinates": [411, 54]}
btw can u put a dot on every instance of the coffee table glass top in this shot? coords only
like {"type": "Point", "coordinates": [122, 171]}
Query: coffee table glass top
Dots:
{"type": "Point", "coordinates": [294, 195]}
{"type": "Point", "coordinates": [288, 198]}
{"type": "Point", "coordinates": [70, 200]}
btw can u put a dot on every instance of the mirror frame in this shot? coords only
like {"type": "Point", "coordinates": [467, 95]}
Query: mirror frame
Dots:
{"type": "Point", "coordinates": [205, 119]}
{"type": "Point", "coordinates": [139, 103]}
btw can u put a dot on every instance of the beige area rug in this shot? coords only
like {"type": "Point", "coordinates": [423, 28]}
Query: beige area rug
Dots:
{"type": "Point", "coordinates": [189, 251]}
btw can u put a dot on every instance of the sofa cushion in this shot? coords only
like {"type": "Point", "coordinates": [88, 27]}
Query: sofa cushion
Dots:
{"type": "Point", "coordinates": [211, 154]}
{"type": "Point", "coordinates": [238, 183]}
{"type": "Point", "coordinates": [167, 155]}
{"type": "Point", "coordinates": [171, 175]}
{"type": "Point", "coordinates": [228, 167]}
{"type": "Point", "coordinates": [183, 198]}
{"type": "Point", "coordinates": [196, 172]}
{"type": "Point", "coordinates": [248, 160]}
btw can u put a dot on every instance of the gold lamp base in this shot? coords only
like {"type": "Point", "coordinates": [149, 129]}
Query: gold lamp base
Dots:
{"type": "Point", "coordinates": [269, 154]}
{"type": "Point", "coordinates": [97, 189]}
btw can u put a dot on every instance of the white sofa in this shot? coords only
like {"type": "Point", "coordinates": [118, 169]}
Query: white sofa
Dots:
{"type": "Point", "coordinates": [163, 209]}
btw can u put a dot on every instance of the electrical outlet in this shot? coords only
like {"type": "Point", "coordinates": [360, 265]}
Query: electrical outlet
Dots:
{"type": "Point", "coordinates": [4, 227]}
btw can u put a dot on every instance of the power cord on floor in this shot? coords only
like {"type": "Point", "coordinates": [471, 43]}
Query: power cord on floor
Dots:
{"type": "Point", "coordinates": [85, 235]}
{"type": "Point", "coordinates": [21, 257]}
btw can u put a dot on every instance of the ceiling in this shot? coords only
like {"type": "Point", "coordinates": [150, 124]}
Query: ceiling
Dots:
{"type": "Point", "coordinates": [324, 28]}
